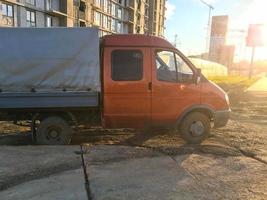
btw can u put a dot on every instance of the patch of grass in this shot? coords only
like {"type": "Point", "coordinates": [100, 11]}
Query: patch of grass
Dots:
{"type": "Point", "coordinates": [232, 82]}
{"type": "Point", "coordinates": [233, 85]}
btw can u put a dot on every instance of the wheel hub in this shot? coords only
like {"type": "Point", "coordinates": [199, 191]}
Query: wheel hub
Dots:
{"type": "Point", "coordinates": [53, 133]}
{"type": "Point", "coordinates": [197, 128]}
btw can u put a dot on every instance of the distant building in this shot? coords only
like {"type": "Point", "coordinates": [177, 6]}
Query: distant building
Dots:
{"type": "Point", "coordinates": [219, 51]}
{"type": "Point", "coordinates": [226, 55]}
{"type": "Point", "coordinates": [111, 16]}
{"type": "Point", "coordinates": [218, 35]}
{"type": "Point", "coordinates": [156, 17]}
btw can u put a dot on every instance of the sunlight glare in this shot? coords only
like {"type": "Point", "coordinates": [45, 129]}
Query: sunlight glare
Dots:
{"type": "Point", "coordinates": [264, 34]}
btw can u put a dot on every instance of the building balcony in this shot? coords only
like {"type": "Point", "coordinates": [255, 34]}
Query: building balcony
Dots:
{"type": "Point", "coordinates": [56, 13]}
{"type": "Point", "coordinates": [128, 21]}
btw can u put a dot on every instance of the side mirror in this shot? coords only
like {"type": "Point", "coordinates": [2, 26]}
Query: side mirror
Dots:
{"type": "Point", "coordinates": [197, 77]}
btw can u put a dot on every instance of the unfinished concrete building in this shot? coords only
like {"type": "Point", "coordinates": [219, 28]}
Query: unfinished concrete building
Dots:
{"type": "Point", "coordinates": [111, 16]}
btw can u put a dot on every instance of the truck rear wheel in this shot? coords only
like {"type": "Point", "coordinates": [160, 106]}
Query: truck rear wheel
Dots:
{"type": "Point", "coordinates": [195, 128]}
{"type": "Point", "coordinates": [53, 131]}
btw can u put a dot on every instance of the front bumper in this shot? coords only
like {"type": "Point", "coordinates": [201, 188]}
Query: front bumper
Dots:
{"type": "Point", "coordinates": [221, 118]}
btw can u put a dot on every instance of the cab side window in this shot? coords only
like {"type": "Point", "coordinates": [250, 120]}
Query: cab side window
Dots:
{"type": "Point", "coordinates": [166, 69]}
{"type": "Point", "coordinates": [184, 72]}
{"type": "Point", "coordinates": [127, 65]}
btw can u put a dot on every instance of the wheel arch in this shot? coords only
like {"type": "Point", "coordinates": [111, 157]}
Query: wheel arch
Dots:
{"type": "Point", "coordinates": [206, 110]}
{"type": "Point", "coordinates": [69, 117]}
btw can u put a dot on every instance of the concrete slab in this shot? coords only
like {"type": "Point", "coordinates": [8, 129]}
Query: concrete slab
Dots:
{"type": "Point", "coordinates": [219, 177]}
{"type": "Point", "coordinates": [24, 163]}
{"type": "Point", "coordinates": [120, 172]}
{"type": "Point", "coordinates": [143, 178]}
{"type": "Point", "coordinates": [68, 185]}
{"type": "Point", "coordinates": [183, 177]}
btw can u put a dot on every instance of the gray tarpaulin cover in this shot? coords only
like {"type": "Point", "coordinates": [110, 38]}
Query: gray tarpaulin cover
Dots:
{"type": "Point", "coordinates": [49, 59]}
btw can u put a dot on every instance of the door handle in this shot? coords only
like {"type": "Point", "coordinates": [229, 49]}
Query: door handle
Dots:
{"type": "Point", "coordinates": [150, 86]}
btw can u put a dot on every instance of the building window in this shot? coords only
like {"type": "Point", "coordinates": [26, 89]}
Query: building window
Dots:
{"type": "Point", "coordinates": [105, 21]}
{"type": "Point", "coordinates": [7, 10]}
{"type": "Point", "coordinates": [97, 18]}
{"type": "Point", "coordinates": [127, 65]}
{"type": "Point", "coordinates": [100, 33]}
{"type": "Point", "coordinates": [32, 2]}
{"type": "Point", "coordinates": [8, 14]}
{"type": "Point", "coordinates": [49, 21]}
{"type": "Point", "coordinates": [76, 23]}
{"type": "Point", "coordinates": [82, 24]}
{"type": "Point", "coordinates": [31, 18]}
{"type": "Point", "coordinates": [105, 5]}
{"type": "Point", "coordinates": [113, 9]}
{"type": "Point", "coordinates": [82, 6]}
{"type": "Point", "coordinates": [113, 25]}
{"type": "Point", "coordinates": [119, 27]}
{"type": "Point", "coordinates": [119, 13]}
{"type": "Point", "coordinates": [97, 3]}
{"type": "Point", "coordinates": [48, 4]}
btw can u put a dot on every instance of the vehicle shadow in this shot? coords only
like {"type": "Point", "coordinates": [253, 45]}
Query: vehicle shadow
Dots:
{"type": "Point", "coordinates": [16, 139]}
{"type": "Point", "coordinates": [211, 146]}
{"type": "Point", "coordinates": [156, 140]}
{"type": "Point", "coordinates": [142, 136]}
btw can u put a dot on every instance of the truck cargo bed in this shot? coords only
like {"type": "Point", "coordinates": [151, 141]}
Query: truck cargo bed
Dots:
{"type": "Point", "coordinates": [49, 60]}
{"type": "Point", "coordinates": [49, 100]}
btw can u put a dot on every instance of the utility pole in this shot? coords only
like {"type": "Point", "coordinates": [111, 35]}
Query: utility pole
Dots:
{"type": "Point", "coordinates": [209, 24]}
{"type": "Point", "coordinates": [177, 42]}
{"type": "Point", "coordinates": [252, 62]}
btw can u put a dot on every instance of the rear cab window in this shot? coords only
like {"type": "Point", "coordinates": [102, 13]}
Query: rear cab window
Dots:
{"type": "Point", "coordinates": [126, 65]}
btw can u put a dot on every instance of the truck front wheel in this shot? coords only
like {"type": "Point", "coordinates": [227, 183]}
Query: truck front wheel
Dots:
{"type": "Point", "coordinates": [53, 131]}
{"type": "Point", "coordinates": [195, 128]}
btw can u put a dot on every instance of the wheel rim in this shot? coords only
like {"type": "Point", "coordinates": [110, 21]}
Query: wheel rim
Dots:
{"type": "Point", "coordinates": [197, 129]}
{"type": "Point", "coordinates": [53, 133]}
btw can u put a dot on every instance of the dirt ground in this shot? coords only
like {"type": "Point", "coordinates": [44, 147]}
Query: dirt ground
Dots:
{"type": "Point", "coordinates": [240, 149]}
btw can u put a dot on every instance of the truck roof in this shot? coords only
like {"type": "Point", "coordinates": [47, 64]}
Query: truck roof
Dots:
{"type": "Point", "coordinates": [136, 40]}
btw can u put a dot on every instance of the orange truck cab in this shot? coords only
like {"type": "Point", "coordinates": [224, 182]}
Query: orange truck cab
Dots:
{"type": "Point", "coordinates": [58, 80]}
{"type": "Point", "coordinates": [146, 82]}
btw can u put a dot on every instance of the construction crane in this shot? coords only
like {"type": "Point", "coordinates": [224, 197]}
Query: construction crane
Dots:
{"type": "Point", "coordinates": [208, 28]}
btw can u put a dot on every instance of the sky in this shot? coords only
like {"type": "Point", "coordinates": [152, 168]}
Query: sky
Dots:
{"type": "Point", "coordinates": [189, 20]}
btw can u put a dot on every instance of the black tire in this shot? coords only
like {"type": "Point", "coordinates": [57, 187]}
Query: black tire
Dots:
{"type": "Point", "coordinates": [195, 128]}
{"type": "Point", "coordinates": [53, 131]}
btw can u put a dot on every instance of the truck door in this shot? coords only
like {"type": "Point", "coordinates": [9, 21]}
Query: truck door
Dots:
{"type": "Point", "coordinates": [127, 87]}
{"type": "Point", "coordinates": [173, 88]}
